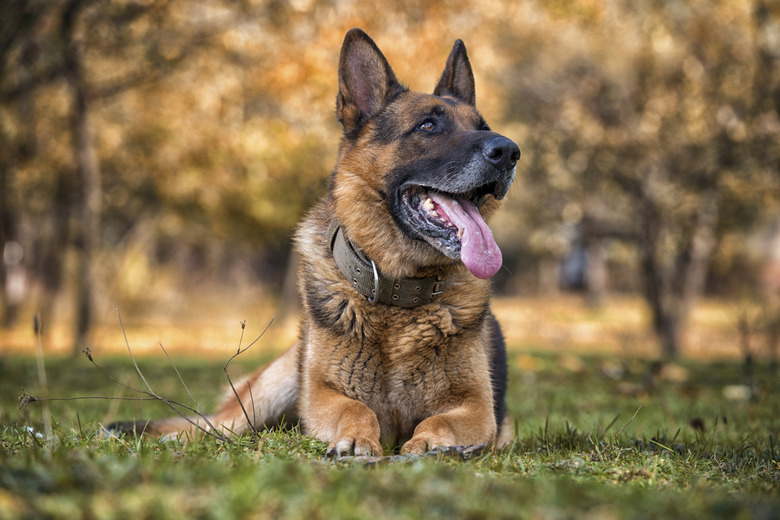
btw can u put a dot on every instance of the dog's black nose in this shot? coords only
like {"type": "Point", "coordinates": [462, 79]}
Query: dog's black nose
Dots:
{"type": "Point", "coordinates": [502, 152]}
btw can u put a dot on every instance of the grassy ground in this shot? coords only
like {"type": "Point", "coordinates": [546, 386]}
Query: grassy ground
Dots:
{"type": "Point", "coordinates": [597, 437]}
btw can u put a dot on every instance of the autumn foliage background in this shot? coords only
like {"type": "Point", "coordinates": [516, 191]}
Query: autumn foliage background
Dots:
{"type": "Point", "coordinates": [156, 155]}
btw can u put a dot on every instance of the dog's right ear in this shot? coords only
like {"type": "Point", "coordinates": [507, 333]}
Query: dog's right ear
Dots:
{"type": "Point", "coordinates": [366, 81]}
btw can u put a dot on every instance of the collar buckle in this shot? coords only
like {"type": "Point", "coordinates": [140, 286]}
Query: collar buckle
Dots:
{"type": "Point", "coordinates": [375, 294]}
{"type": "Point", "coordinates": [438, 286]}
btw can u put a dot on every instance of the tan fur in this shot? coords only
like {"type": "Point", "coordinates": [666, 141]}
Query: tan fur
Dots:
{"type": "Point", "coordinates": [362, 376]}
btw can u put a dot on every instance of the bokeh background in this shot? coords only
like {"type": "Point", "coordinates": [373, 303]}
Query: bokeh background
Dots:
{"type": "Point", "coordinates": [155, 156]}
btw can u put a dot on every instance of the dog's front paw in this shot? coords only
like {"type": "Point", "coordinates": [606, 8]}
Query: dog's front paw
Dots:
{"type": "Point", "coordinates": [359, 446]}
{"type": "Point", "coordinates": [420, 444]}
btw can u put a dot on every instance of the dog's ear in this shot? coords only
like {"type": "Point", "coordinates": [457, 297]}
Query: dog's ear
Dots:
{"type": "Point", "coordinates": [366, 81]}
{"type": "Point", "coordinates": [457, 80]}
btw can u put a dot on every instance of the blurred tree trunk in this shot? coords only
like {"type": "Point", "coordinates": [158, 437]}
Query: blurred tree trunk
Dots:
{"type": "Point", "coordinates": [673, 282]}
{"type": "Point", "coordinates": [15, 17]}
{"type": "Point", "coordinates": [595, 271]}
{"type": "Point", "coordinates": [89, 173]}
{"type": "Point", "coordinates": [50, 244]}
{"type": "Point", "coordinates": [549, 276]}
{"type": "Point", "coordinates": [6, 236]}
{"type": "Point", "coordinates": [701, 246]}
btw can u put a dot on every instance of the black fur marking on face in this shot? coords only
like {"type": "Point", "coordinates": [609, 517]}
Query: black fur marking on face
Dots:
{"type": "Point", "coordinates": [385, 131]}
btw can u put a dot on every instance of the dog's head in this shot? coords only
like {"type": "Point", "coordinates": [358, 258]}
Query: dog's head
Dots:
{"type": "Point", "coordinates": [417, 173]}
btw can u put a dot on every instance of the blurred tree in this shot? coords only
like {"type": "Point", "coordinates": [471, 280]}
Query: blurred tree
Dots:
{"type": "Point", "coordinates": [20, 54]}
{"type": "Point", "coordinates": [651, 123]}
{"type": "Point", "coordinates": [73, 43]}
{"type": "Point", "coordinates": [86, 162]}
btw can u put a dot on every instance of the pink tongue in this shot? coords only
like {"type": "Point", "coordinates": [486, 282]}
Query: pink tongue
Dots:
{"type": "Point", "coordinates": [478, 251]}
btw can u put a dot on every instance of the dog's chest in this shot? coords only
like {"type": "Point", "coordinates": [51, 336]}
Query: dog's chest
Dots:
{"type": "Point", "coordinates": [407, 368]}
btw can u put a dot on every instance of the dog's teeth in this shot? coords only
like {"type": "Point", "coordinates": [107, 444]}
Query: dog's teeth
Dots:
{"type": "Point", "coordinates": [460, 234]}
{"type": "Point", "coordinates": [428, 204]}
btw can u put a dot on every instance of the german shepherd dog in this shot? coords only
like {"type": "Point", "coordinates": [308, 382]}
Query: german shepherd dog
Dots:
{"type": "Point", "coordinates": [398, 345]}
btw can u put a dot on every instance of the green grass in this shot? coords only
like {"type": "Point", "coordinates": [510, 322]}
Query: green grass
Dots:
{"type": "Point", "coordinates": [582, 451]}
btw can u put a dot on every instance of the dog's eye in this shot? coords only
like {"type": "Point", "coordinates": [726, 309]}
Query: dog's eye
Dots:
{"type": "Point", "coordinates": [427, 126]}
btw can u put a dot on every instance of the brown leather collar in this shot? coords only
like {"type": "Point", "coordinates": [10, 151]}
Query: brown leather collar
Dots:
{"type": "Point", "coordinates": [364, 276]}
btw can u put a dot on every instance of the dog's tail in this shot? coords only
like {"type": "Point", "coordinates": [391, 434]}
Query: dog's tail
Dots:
{"type": "Point", "coordinates": [265, 399]}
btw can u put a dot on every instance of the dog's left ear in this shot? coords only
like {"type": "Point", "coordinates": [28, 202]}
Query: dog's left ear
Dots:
{"type": "Point", "coordinates": [458, 79]}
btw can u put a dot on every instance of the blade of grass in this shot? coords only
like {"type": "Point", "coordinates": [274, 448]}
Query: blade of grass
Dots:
{"type": "Point", "coordinates": [626, 425]}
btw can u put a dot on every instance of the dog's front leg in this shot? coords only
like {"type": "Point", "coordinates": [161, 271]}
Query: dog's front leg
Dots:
{"type": "Point", "coordinates": [470, 423]}
{"type": "Point", "coordinates": [349, 426]}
